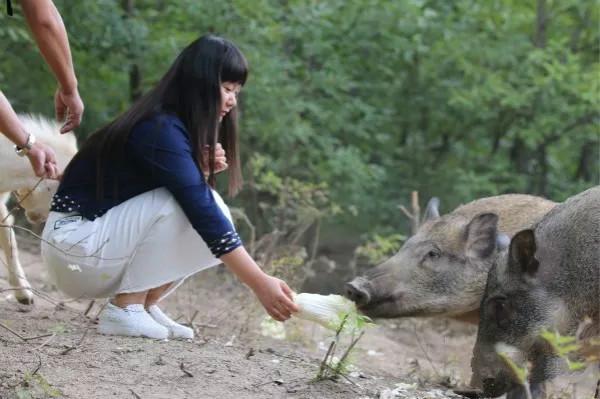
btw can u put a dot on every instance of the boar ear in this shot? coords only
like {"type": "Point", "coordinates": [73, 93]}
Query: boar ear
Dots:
{"type": "Point", "coordinates": [432, 211]}
{"type": "Point", "coordinates": [521, 253]}
{"type": "Point", "coordinates": [481, 235]}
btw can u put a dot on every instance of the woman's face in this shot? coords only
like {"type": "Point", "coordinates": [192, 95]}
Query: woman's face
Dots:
{"type": "Point", "coordinates": [229, 93]}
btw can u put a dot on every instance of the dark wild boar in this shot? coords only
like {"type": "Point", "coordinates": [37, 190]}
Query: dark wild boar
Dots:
{"type": "Point", "coordinates": [549, 279]}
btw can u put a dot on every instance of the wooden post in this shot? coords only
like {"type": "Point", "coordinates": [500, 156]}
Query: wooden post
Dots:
{"type": "Point", "coordinates": [416, 212]}
{"type": "Point", "coordinates": [414, 215]}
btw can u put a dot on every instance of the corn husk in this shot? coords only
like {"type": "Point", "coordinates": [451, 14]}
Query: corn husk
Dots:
{"type": "Point", "coordinates": [329, 311]}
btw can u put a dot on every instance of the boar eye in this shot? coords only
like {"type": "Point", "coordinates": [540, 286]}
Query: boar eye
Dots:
{"type": "Point", "coordinates": [501, 311]}
{"type": "Point", "coordinates": [433, 254]}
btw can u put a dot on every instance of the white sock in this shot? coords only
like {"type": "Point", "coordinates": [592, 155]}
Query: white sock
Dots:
{"type": "Point", "coordinates": [176, 330]}
{"type": "Point", "coordinates": [133, 321]}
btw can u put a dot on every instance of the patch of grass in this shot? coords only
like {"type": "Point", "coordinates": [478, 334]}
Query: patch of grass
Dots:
{"type": "Point", "coordinates": [36, 386]}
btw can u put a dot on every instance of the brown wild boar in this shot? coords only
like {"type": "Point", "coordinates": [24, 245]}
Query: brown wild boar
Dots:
{"type": "Point", "coordinates": [442, 269]}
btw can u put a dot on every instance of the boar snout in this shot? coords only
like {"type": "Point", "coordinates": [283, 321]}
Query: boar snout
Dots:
{"type": "Point", "coordinates": [356, 290]}
{"type": "Point", "coordinates": [493, 387]}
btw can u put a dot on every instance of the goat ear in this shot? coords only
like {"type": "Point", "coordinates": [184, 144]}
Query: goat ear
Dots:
{"type": "Point", "coordinates": [432, 211]}
{"type": "Point", "coordinates": [521, 254]}
{"type": "Point", "coordinates": [481, 234]}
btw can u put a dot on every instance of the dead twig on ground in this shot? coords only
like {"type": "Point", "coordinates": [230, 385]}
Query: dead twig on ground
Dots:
{"type": "Point", "coordinates": [39, 365]}
{"type": "Point", "coordinates": [90, 322]}
{"type": "Point", "coordinates": [187, 373]}
{"type": "Point", "coordinates": [70, 348]}
{"type": "Point", "coordinates": [46, 342]}
{"type": "Point", "coordinates": [89, 307]}
{"type": "Point", "coordinates": [329, 355]}
{"type": "Point", "coordinates": [47, 298]}
{"type": "Point", "coordinates": [25, 339]}
{"type": "Point", "coordinates": [325, 359]}
{"type": "Point", "coordinates": [348, 350]}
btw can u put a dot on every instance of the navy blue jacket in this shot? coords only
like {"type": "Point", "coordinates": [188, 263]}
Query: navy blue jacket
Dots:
{"type": "Point", "coordinates": [158, 154]}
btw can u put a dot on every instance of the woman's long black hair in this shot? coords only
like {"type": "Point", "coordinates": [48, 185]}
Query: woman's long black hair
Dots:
{"type": "Point", "coordinates": [191, 89]}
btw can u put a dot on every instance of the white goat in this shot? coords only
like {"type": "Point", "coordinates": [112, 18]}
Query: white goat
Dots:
{"type": "Point", "coordinates": [17, 176]}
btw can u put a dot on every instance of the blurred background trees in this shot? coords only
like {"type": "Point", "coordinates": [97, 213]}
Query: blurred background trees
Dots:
{"type": "Point", "coordinates": [351, 105]}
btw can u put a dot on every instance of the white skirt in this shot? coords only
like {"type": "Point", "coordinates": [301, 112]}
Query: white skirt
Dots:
{"type": "Point", "coordinates": [140, 244]}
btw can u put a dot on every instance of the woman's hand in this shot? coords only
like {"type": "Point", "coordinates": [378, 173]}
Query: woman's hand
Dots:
{"type": "Point", "coordinates": [274, 294]}
{"type": "Point", "coordinates": [220, 159]}
{"type": "Point", "coordinates": [276, 297]}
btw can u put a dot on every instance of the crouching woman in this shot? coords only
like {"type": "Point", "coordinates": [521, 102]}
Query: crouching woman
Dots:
{"type": "Point", "coordinates": [136, 213]}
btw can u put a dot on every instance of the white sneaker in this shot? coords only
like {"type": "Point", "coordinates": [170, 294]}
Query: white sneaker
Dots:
{"type": "Point", "coordinates": [176, 330]}
{"type": "Point", "coordinates": [132, 321]}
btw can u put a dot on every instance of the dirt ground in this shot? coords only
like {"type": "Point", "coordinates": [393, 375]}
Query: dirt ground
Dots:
{"type": "Point", "coordinates": [229, 358]}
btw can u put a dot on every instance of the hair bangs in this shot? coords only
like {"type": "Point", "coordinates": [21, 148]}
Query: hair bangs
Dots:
{"type": "Point", "coordinates": [234, 67]}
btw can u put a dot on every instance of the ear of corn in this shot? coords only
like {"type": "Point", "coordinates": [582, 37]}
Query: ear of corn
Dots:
{"type": "Point", "coordinates": [329, 311]}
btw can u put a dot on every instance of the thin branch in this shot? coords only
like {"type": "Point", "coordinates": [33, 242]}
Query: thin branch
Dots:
{"type": "Point", "coordinates": [187, 373]}
{"type": "Point", "coordinates": [70, 348]}
{"type": "Point", "coordinates": [324, 362]}
{"type": "Point", "coordinates": [21, 199]}
{"type": "Point", "coordinates": [57, 248]}
{"type": "Point", "coordinates": [435, 370]}
{"type": "Point", "coordinates": [348, 350]}
{"type": "Point", "coordinates": [89, 307]}
{"type": "Point", "coordinates": [46, 297]}
{"type": "Point", "coordinates": [39, 366]}
{"type": "Point", "coordinates": [406, 212]}
{"type": "Point", "coordinates": [46, 342]}
{"type": "Point", "coordinates": [22, 337]}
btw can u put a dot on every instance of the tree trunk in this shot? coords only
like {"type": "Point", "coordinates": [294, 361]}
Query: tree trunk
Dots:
{"type": "Point", "coordinates": [541, 24]}
{"type": "Point", "coordinates": [135, 75]}
{"type": "Point", "coordinates": [587, 161]}
{"type": "Point", "coordinates": [542, 156]}
{"type": "Point", "coordinates": [540, 42]}
{"type": "Point", "coordinates": [518, 155]}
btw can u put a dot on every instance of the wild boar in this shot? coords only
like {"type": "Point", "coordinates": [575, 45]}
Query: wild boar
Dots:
{"type": "Point", "coordinates": [442, 269]}
{"type": "Point", "coordinates": [549, 279]}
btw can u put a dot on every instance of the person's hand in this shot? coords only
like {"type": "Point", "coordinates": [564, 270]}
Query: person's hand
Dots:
{"type": "Point", "coordinates": [43, 161]}
{"type": "Point", "coordinates": [220, 159]}
{"type": "Point", "coordinates": [69, 109]}
{"type": "Point", "coordinates": [276, 298]}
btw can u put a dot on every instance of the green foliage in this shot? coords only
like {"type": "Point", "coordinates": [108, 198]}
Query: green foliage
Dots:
{"type": "Point", "coordinates": [58, 328]}
{"type": "Point", "coordinates": [509, 354]}
{"type": "Point", "coordinates": [286, 204]}
{"type": "Point", "coordinates": [333, 367]}
{"type": "Point", "coordinates": [36, 386]}
{"type": "Point", "coordinates": [364, 101]}
{"type": "Point", "coordinates": [380, 248]}
{"type": "Point", "coordinates": [563, 346]}
{"type": "Point", "coordinates": [566, 347]}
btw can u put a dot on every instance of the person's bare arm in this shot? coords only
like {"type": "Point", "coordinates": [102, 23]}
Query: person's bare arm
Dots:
{"type": "Point", "coordinates": [273, 293]}
{"type": "Point", "coordinates": [10, 124]}
{"type": "Point", "coordinates": [51, 37]}
{"type": "Point", "coordinates": [42, 157]}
